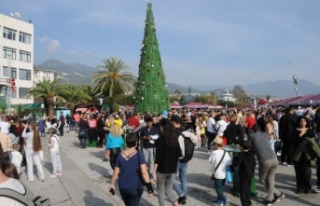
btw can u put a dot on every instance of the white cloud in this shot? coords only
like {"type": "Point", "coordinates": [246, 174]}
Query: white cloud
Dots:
{"type": "Point", "coordinates": [44, 39]}
{"type": "Point", "coordinates": [51, 45]}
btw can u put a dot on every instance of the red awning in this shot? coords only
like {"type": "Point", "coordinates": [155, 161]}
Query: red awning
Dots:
{"type": "Point", "coordinates": [81, 109]}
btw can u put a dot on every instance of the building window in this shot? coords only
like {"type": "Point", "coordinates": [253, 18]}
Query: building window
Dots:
{"type": "Point", "coordinates": [24, 38]}
{"type": "Point", "coordinates": [9, 53]}
{"type": "Point", "coordinates": [38, 74]}
{"type": "Point", "coordinates": [24, 74]}
{"type": "Point", "coordinates": [6, 91]}
{"type": "Point", "coordinates": [10, 72]}
{"type": "Point", "coordinates": [47, 74]}
{"type": "Point", "coordinates": [9, 92]}
{"type": "Point", "coordinates": [9, 34]}
{"type": "Point", "coordinates": [23, 92]}
{"type": "Point", "coordinates": [25, 56]}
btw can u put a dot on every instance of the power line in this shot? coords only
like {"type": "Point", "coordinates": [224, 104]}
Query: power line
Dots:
{"type": "Point", "coordinates": [279, 66]}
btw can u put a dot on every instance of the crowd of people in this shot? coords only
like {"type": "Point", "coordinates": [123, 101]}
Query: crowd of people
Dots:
{"type": "Point", "coordinates": [288, 134]}
{"type": "Point", "coordinates": [142, 148]}
{"type": "Point", "coordinates": [21, 148]}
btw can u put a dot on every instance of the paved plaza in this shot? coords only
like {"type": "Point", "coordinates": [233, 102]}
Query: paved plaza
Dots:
{"type": "Point", "coordinates": [84, 182]}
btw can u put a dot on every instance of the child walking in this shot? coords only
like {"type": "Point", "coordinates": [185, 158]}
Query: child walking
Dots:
{"type": "Point", "coordinates": [219, 159]}
{"type": "Point", "coordinates": [246, 163]}
{"type": "Point", "coordinates": [55, 153]}
{"type": "Point", "coordinates": [16, 157]}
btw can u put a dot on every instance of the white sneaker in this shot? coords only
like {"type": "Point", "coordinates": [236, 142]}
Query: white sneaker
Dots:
{"type": "Point", "coordinates": [317, 190]}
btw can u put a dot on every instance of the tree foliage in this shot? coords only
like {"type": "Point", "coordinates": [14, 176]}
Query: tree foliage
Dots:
{"type": "Point", "coordinates": [240, 95]}
{"type": "Point", "coordinates": [113, 79]}
{"type": "Point", "coordinates": [75, 94]}
{"type": "Point", "coordinates": [210, 98]}
{"type": "Point", "coordinates": [47, 90]}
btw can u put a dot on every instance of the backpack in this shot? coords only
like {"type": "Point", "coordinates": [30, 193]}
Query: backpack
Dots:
{"type": "Point", "coordinates": [27, 198]}
{"type": "Point", "coordinates": [187, 147]}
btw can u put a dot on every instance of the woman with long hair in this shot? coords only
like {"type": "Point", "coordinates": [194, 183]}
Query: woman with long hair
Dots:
{"type": "Point", "coordinates": [113, 144]}
{"type": "Point", "coordinates": [126, 168]}
{"type": "Point", "coordinates": [54, 149]}
{"type": "Point", "coordinates": [83, 127]}
{"type": "Point", "coordinates": [270, 131]}
{"type": "Point", "coordinates": [305, 150]}
{"type": "Point", "coordinates": [167, 153]}
{"type": "Point", "coordinates": [32, 149]}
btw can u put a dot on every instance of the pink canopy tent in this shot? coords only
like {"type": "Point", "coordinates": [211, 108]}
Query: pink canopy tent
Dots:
{"type": "Point", "coordinates": [175, 105]}
{"type": "Point", "coordinates": [315, 99]}
{"type": "Point", "coordinates": [284, 102]}
{"type": "Point", "coordinates": [195, 105]}
{"type": "Point", "coordinates": [199, 105]}
{"type": "Point", "coordinates": [301, 100]}
{"type": "Point", "coordinates": [310, 99]}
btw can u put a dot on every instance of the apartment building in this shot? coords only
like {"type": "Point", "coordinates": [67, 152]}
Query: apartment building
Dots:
{"type": "Point", "coordinates": [16, 59]}
{"type": "Point", "coordinates": [41, 74]}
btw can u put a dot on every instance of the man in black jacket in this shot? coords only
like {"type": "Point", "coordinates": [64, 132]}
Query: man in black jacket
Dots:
{"type": "Point", "coordinates": [287, 125]}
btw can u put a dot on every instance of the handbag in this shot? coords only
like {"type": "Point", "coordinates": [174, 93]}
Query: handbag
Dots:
{"type": "Point", "coordinates": [215, 169]}
{"type": "Point", "coordinates": [140, 172]}
{"type": "Point", "coordinates": [229, 175]}
{"type": "Point", "coordinates": [83, 133]}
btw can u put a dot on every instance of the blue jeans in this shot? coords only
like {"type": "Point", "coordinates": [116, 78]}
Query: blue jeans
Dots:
{"type": "Point", "coordinates": [219, 185]}
{"type": "Point", "coordinates": [131, 197]}
{"type": "Point", "coordinates": [181, 189]}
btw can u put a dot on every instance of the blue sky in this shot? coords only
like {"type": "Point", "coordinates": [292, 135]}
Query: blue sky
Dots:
{"type": "Point", "coordinates": [203, 42]}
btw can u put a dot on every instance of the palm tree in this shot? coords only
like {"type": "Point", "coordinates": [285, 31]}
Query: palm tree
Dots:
{"type": "Point", "coordinates": [47, 90]}
{"type": "Point", "coordinates": [74, 94]}
{"type": "Point", "coordinates": [114, 78]}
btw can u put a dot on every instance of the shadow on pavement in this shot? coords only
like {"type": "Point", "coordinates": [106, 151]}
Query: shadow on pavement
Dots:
{"type": "Point", "coordinates": [76, 144]}
{"type": "Point", "coordinates": [200, 179]}
{"type": "Point", "coordinates": [99, 169]}
{"type": "Point", "coordinates": [286, 179]}
{"type": "Point", "coordinates": [48, 166]}
{"type": "Point", "coordinates": [201, 195]}
{"type": "Point", "coordinates": [98, 154]}
{"type": "Point", "coordinates": [89, 200]}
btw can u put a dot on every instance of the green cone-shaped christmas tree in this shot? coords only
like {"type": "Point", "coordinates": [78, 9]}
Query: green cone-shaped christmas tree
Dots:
{"type": "Point", "coordinates": [152, 93]}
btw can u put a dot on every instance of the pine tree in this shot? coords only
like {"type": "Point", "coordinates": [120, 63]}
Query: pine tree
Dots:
{"type": "Point", "coordinates": [151, 93]}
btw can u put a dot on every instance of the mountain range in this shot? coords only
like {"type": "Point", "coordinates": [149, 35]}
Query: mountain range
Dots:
{"type": "Point", "coordinates": [82, 74]}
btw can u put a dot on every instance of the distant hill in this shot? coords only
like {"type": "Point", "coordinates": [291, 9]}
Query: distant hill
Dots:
{"type": "Point", "coordinates": [76, 73]}
{"type": "Point", "coordinates": [82, 74]}
{"type": "Point", "coordinates": [282, 88]}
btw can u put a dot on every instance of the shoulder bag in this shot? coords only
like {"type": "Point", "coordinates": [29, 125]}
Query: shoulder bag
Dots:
{"type": "Point", "coordinates": [215, 169]}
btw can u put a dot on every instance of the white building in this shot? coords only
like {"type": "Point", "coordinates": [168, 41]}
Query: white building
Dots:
{"type": "Point", "coordinates": [227, 97]}
{"type": "Point", "coordinates": [16, 59]}
{"type": "Point", "coordinates": [41, 74]}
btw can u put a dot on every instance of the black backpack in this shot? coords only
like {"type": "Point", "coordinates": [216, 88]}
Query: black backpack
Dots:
{"type": "Point", "coordinates": [188, 149]}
